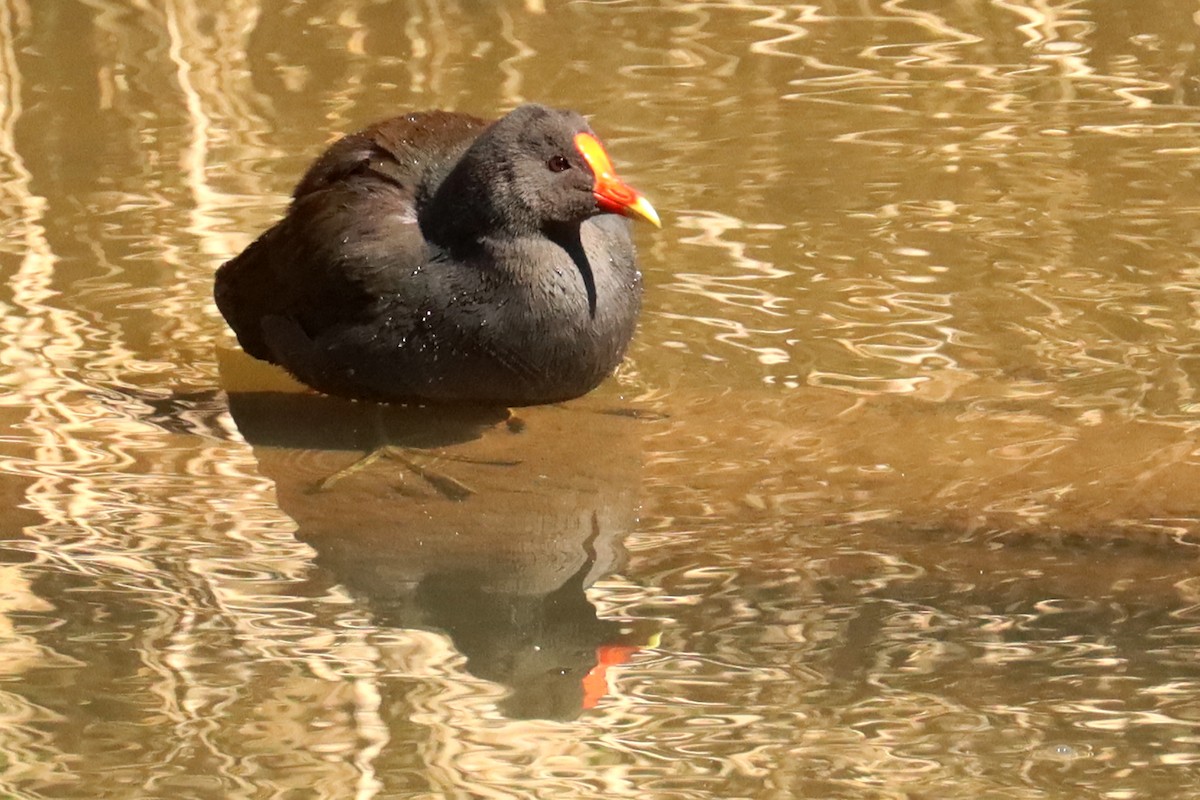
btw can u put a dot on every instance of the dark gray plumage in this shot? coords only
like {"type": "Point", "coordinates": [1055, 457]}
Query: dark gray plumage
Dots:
{"type": "Point", "coordinates": [437, 257]}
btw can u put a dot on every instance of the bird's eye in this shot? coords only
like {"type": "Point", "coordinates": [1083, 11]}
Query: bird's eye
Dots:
{"type": "Point", "coordinates": [558, 164]}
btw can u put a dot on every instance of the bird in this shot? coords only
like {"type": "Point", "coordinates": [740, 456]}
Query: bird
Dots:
{"type": "Point", "coordinates": [436, 257]}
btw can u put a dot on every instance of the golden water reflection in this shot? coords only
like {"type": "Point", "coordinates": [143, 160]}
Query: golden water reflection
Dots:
{"type": "Point", "coordinates": [894, 498]}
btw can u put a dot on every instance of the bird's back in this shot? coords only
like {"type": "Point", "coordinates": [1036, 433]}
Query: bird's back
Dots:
{"type": "Point", "coordinates": [293, 271]}
{"type": "Point", "coordinates": [406, 151]}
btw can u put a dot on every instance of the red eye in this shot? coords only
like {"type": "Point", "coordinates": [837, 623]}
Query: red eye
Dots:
{"type": "Point", "coordinates": [558, 164]}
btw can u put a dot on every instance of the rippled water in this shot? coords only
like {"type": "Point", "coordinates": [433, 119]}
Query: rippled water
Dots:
{"type": "Point", "coordinates": [894, 498]}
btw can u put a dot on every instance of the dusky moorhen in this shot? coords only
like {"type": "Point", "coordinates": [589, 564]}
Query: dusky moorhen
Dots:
{"type": "Point", "coordinates": [439, 257]}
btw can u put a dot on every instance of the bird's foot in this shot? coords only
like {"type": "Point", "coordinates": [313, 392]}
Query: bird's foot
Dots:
{"type": "Point", "coordinates": [421, 464]}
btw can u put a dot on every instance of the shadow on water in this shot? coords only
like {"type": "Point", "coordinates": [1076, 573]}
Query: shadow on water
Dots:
{"type": "Point", "coordinates": [485, 527]}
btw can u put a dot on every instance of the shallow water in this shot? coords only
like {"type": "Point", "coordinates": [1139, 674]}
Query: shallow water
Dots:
{"type": "Point", "coordinates": [894, 497]}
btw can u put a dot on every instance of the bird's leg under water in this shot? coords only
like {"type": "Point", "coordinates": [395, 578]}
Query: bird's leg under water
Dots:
{"type": "Point", "coordinates": [420, 462]}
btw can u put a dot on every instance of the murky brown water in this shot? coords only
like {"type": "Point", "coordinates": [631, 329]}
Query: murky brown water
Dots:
{"type": "Point", "coordinates": [897, 496]}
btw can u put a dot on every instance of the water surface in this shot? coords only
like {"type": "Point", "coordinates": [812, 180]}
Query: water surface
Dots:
{"type": "Point", "coordinates": [894, 497]}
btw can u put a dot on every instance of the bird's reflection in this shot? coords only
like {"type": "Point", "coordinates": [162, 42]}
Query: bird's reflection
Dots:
{"type": "Point", "coordinates": [503, 569]}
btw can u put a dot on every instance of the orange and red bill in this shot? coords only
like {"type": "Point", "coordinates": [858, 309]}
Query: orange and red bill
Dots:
{"type": "Point", "coordinates": [612, 193]}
